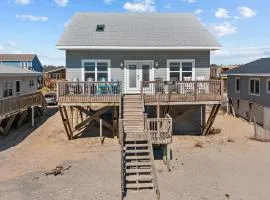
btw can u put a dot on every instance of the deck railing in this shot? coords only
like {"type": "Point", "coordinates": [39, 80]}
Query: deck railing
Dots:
{"type": "Point", "coordinates": [81, 92]}
{"type": "Point", "coordinates": [182, 91]}
{"type": "Point", "coordinates": [160, 129]}
{"type": "Point", "coordinates": [13, 105]}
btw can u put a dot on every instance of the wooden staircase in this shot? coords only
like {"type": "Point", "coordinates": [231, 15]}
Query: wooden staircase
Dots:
{"type": "Point", "coordinates": [137, 153]}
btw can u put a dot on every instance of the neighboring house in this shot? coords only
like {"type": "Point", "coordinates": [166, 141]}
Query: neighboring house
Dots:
{"type": "Point", "coordinates": [52, 75]}
{"type": "Point", "coordinates": [56, 73]}
{"type": "Point", "coordinates": [249, 90]}
{"type": "Point", "coordinates": [135, 48]}
{"type": "Point", "coordinates": [15, 82]}
{"type": "Point", "coordinates": [218, 72]}
{"type": "Point", "coordinates": [26, 61]}
{"type": "Point", "coordinates": [18, 95]}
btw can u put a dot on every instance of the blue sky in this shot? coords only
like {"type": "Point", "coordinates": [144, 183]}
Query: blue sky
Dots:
{"type": "Point", "coordinates": [34, 26]}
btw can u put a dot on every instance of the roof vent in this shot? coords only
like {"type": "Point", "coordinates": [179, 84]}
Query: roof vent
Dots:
{"type": "Point", "coordinates": [100, 27]}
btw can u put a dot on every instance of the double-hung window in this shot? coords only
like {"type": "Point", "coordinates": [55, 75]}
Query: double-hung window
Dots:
{"type": "Point", "coordinates": [8, 91]}
{"type": "Point", "coordinates": [96, 70]}
{"type": "Point", "coordinates": [254, 86]}
{"type": "Point", "coordinates": [181, 70]}
{"type": "Point", "coordinates": [237, 84]}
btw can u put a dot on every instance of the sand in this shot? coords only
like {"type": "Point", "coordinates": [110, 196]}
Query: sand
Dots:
{"type": "Point", "coordinates": [227, 166]}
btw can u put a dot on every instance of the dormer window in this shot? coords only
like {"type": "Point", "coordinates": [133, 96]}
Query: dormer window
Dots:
{"type": "Point", "coordinates": [100, 28]}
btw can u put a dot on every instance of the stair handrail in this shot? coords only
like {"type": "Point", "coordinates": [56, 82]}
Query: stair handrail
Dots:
{"type": "Point", "coordinates": [121, 137]}
{"type": "Point", "coordinates": [150, 146]}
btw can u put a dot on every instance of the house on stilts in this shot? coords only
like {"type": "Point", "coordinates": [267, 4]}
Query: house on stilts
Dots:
{"type": "Point", "coordinates": [151, 70]}
{"type": "Point", "coordinates": [19, 96]}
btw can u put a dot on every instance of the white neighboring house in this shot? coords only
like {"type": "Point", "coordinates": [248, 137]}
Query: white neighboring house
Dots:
{"type": "Point", "coordinates": [17, 81]}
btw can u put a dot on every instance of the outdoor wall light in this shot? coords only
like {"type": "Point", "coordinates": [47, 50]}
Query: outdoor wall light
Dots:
{"type": "Point", "coordinates": [122, 65]}
{"type": "Point", "coordinates": [156, 64]}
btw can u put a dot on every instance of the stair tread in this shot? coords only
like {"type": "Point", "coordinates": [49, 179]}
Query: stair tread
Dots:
{"type": "Point", "coordinates": [137, 157]}
{"type": "Point", "coordinates": [140, 170]}
{"type": "Point", "coordinates": [136, 145]}
{"type": "Point", "coordinates": [139, 178]}
{"type": "Point", "coordinates": [139, 185]}
{"type": "Point", "coordinates": [133, 164]}
{"type": "Point", "coordinates": [137, 151]}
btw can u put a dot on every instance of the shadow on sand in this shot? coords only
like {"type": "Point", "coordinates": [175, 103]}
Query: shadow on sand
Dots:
{"type": "Point", "coordinates": [17, 135]}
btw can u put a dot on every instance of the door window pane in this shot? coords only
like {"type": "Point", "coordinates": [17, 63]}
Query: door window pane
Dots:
{"type": "Point", "coordinates": [146, 75]}
{"type": "Point", "coordinates": [132, 76]}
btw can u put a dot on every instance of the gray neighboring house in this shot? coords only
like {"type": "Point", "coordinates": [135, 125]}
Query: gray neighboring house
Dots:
{"type": "Point", "coordinates": [249, 90]}
{"type": "Point", "coordinates": [16, 82]}
{"type": "Point", "coordinates": [132, 48]}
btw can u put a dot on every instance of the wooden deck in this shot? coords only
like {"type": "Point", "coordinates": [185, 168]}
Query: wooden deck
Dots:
{"type": "Point", "coordinates": [89, 92]}
{"type": "Point", "coordinates": [182, 92]}
{"type": "Point", "coordinates": [14, 105]}
{"type": "Point", "coordinates": [153, 92]}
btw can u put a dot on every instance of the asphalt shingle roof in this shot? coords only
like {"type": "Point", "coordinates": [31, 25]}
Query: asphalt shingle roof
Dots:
{"type": "Point", "coordinates": [16, 71]}
{"type": "Point", "coordinates": [17, 57]}
{"type": "Point", "coordinates": [257, 67]}
{"type": "Point", "coordinates": [137, 30]}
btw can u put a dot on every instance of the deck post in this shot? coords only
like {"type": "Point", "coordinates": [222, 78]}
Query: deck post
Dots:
{"type": "Point", "coordinates": [114, 121]}
{"type": "Point", "coordinates": [33, 115]}
{"type": "Point", "coordinates": [100, 130]}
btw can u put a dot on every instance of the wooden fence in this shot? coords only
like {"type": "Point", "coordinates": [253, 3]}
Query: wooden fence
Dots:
{"type": "Point", "coordinates": [261, 134]}
{"type": "Point", "coordinates": [160, 129]}
{"type": "Point", "coordinates": [13, 105]}
{"type": "Point", "coordinates": [182, 91]}
{"type": "Point", "coordinates": [82, 92]}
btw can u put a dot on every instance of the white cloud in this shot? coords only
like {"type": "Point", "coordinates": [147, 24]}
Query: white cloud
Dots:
{"type": "Point", "coordinates": [61, 3]}
{"type": "Point", "coordinates": [108, 2]}
{"type": "Point", "coordinates": [240, 55]}
{"type": "Point", "coordinates": [190, 1]}
{"type": "Point", "coordinates": [246, 12]}
{"type": "Point", "coordinates": [66, 23]}
{"type": "Point", "coordinates": [222, 13]}
{"type": "Point", "coordinates": [198, 11]}
{"type": "Point", "coordinates": [16, 52]}
{"type": "Point", "coordinates": [140, 6]}
{"type": "Point", "coordinates": [1, 49]}
{"type": "Point", "coordinates": [222, 29]}
{"type": "Point", "coordinates": [22, 2]}
{"type": "Point", "coordinates": [11, 43]}
{"type": "Point", "coordinates": [32, 18]}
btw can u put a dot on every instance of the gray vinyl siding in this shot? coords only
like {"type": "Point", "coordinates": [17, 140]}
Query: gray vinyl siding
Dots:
{"type": "Point", "coordinates": [25, 87]}
{"type": "Point", "coordinates": [74, 57]}
{"type": "Point", "coordinates": [263, 99]}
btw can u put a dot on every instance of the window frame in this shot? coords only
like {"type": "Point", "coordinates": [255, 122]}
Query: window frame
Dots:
{"type": "Point", "coordinates": [96, 71]}
{"type": "Point", "coordinates": [249, 86]}
{"type": "Point", "coordinates": [20, 87]}
{"type": "Point", "coordinates": [267, 84]}
{"type": "Point", "coordinates": [181, 61]}
{"type": "Point", "coordinates": [237, 79]}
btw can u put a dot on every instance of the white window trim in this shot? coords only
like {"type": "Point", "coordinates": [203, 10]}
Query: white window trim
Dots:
{"type": "Point", "coordinates": [267, 89]}
{"type": "Point", "coordinates": [254, 94]}
{"type": "Point", "coordinates": [96, 60]}
{"type": "Point", "coordinates": [235, 85]}
{"type": "Point", "coordinates": [181, 61]}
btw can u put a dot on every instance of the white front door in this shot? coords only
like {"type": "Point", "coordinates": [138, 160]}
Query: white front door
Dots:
{"type": "Point", "coordinates": [137, 71]}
